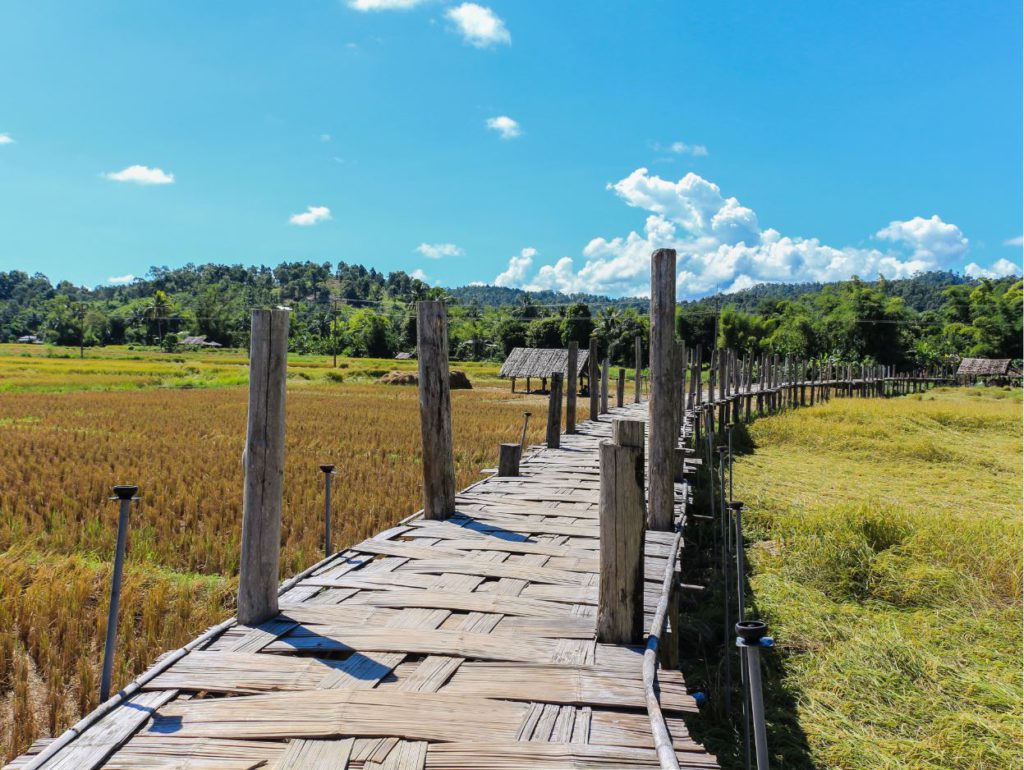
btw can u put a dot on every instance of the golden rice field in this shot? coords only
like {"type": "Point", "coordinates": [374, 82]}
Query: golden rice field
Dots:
{"type": "Point", "coordinates": [131, 420]}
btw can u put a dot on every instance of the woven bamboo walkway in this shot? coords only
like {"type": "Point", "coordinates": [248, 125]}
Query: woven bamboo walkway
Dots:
{"type": "Point", "coordinates": [447, 645]}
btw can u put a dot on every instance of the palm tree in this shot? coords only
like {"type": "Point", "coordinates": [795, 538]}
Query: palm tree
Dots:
{"type": "Point", "coordinates": [158, 310]}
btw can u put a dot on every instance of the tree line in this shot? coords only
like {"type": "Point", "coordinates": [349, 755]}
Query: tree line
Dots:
{"type": "Point", "coordinates": [348, 309]}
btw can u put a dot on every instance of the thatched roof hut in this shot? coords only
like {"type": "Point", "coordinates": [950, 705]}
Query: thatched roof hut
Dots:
{"type": "Point", "coordinates": [540, 363]}
{"type": "Point", "coordinates": [984, 367]}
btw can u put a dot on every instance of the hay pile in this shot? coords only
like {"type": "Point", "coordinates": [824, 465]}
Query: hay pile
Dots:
{"type": "Point", "coordinates": [457, 379]}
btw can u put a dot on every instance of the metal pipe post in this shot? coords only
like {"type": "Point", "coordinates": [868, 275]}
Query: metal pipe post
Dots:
{"type": "Point", "coordinates": [124, 493]}
{"type": "Point", "coordinates": [750, 638]}
{"type": "Point", "coordinates": [328, 471]}
{"type": "Point", "coordinates": [526, 421]}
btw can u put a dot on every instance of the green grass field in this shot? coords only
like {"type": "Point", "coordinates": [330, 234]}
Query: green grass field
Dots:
{"type": "Point", "coordinates": [884, 551]}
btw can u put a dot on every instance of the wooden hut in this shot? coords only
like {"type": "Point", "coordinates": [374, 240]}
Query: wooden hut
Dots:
{"type": "Point", "coordinates": [540, 362]}
{"type": "Point", "coordinates": [986, 369]}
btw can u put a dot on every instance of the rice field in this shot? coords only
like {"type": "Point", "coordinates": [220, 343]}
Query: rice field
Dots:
{"type": "Point", "coordinates": [885, 555]}
{"type": "Point", "coordinates": [71, 430]}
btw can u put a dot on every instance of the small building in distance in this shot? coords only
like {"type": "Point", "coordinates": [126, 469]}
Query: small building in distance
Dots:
{"type": "Point", "coordinates": [540, 363]}
{"type": "Point", "coordinates": [198, 341]}
{"type": "Point", "coordinates": [30, 339]}
{"type": "Point", "coordinates": [403, 356]}
{"type": "Point", "coordinates": [995, 370]}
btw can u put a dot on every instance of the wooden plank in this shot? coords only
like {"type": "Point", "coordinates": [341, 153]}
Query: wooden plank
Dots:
{"type": "Point", "coordinates": [315, 754]}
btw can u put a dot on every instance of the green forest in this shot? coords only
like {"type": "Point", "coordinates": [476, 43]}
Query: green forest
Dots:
{"type": "Point", "coordinates": [350, 310]}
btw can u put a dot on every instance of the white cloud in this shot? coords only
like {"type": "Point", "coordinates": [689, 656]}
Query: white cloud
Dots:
{"type": "Point", "coordinates": [505, 126]}
{"type": "Point", "coordinates": [140, 175]}
{"type": "Point", "coordinates": [310, 216]}
{"type": "Point", "coordinates": [479, 25]}
{"type": "Point", "coordinates": [998, 269]}
{"type": "Point", "coordinates": [929, 238]}
{"type": "Point", "coordinates": [325, 137]}
{"type": "Point", "coordinates": [682, 148]}
{"type": "Point", "coordinates": [6, 139]}
{"type": "Point", "coordinates": [438, 250]}
{"type": "Point", "coordinates": [419, 275]}
{"type": "Point", "coordinates": [518, 267]}
{"type": "Point", "coordinates": [383, 5]}
{"type": "Point", "coordinates": [1018, 241]}
{"type": "Point", "coordinates": [721, 245]}
{"type": "Point", "coordinates": [120, 280]}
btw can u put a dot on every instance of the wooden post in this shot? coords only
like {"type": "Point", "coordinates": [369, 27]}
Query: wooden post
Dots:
{"type": "Point", "coordinates": [661, 458]}
{"type": "Point", "coordinates": [620, 390]}
{"type": "Point", "coordinates": [509, 456]}
{"type": "Point", "coordinates": [593, 378]}
{"type": "Point", "coordinates": [638, 353]}
{"type": "Point", "coordinates": [570, 388]}
{"type": "Point", "coordinates": [604, 385]}
{"type": "Point", "coordinates": [555, 411]}
{"type": "Point", "coordinates": [263, 462]}
{"type": "Point", "coordinates": [620, 602]}
{"type": "Point", "coordinates": [435, 409]}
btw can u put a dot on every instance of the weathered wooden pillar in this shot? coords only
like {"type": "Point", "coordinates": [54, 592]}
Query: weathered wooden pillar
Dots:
{"type": "Point", "coordinates": [639, 364]}
{"type": "Point", "coordinates": [263, 463]}
{"type": "Point", "coordinates": [555, 411]}
{"type": "Point", "coordinates": [593, 378]}
{"type": "Point", "coordinates": [620, 390]}
{"type": "Point", "coordinates": [604, 385]}
{"type": "Point", "coordinates": [509, 456]}
{"type": "Point", "coordinates": [571, 387]}
{"type": "Point", "coordinates": [620, 599]}
{"type": "Point", "coordinates": [663, 431]}
{"type": "Point", "coordinates": [435, 409]}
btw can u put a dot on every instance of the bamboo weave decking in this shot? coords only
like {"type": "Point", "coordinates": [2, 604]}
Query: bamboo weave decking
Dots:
{"type": "Point", "coordinates": [440, 645]}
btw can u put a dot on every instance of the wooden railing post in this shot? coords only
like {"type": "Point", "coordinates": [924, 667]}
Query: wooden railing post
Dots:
{"type": "Point", "coordinates": [620, 602]}
{"type": "Point", "coordinates": [435, 410]}
{"type": "Point", "coordinates": [663, 431]}
{"type": "Point", "coordinates": [509, 456]}
{"type": "Point", "coordinates": [638, 354]}
{"type": "Point", "coordinates": [604, 385]}
{"type": "Point", "coordinates": [264, 468]}
{"type": "Point", "coordinates": [571, 387]}
{"type": "Point", "coordinates": [555, 411]}
{"type": "Point", "coordinates": [593, 378]}
{"type": "Point", "coordinates": [620, 390]}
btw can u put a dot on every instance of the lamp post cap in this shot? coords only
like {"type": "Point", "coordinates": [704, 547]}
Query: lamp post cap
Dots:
{"type": "Point", "coordinates": [125, 491]}
{"type": "Point", "coordinates": [327, 468]}
{"type": "Point", "coordinates": [736, 504]}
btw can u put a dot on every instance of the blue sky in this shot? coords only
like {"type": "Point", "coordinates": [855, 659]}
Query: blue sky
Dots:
{"type": "Point", "coordinates": [539, 144]}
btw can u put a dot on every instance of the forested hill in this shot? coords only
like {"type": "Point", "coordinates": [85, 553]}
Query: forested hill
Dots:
{"type": "Point", "coordinates": [358, 311]}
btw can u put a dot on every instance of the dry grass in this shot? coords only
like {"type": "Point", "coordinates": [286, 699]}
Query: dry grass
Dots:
{"type": "Point", "coordinates": [183, 447]}
{"type": "Point", "coordinates": [887, 560]}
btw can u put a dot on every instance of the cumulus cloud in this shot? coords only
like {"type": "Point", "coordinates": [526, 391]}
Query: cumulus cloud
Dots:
{"type": "Point", "coordinates": [927, 237]}
{"type": "Point", "coordinates": [721, 245]}
{"type": "Point", "coordinates": [1018, 241]}
{"type": "Point", "coordinates": [438, 250]}
{"type": "Point", "coordinates": [120, 280]}
{"type": "Point", "coordinates": [682, 148]}
{"type": "Point", "coordinates": [505, 126]}
{"type": "Point", "coordinates": [419, 275]}
{"type": "Point", "coordinates": [140, 175]}
{"type": "Point", "coordinates": [383, 5]}
{"type": "Point", "coordinates": [998, 269]}
{"type": "Point", "coordinates": [479, 25]}
{"type": "Point", "coordinates": [6, 139]}
{"type": "Point", "coordinates": [310, 216]}
{"type": "Point", "coordinates": [518, 267]}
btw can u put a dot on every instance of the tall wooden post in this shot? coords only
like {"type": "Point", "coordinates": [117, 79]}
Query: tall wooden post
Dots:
{"type": "Point", "coordinates": [571, 388]}
{"type": "Point", "coordinates": [661, 458]}
{"type": "Point", "coordinates": [593, 378]}
{"type": "Point", "coordinates": [620, 602]}
{"type": "Point", "coordinates": [620, 389]}
{"type": "Point", "coordinates": [638, 353]}
{"type": "Point", "coordinates": [604, 385]}
{"type": "Point", "coordinates": [264, 468]}
{"type": "Point", "coordinates": [555, 411]}
{"type": "Point", "coordinates": [435, 410]}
